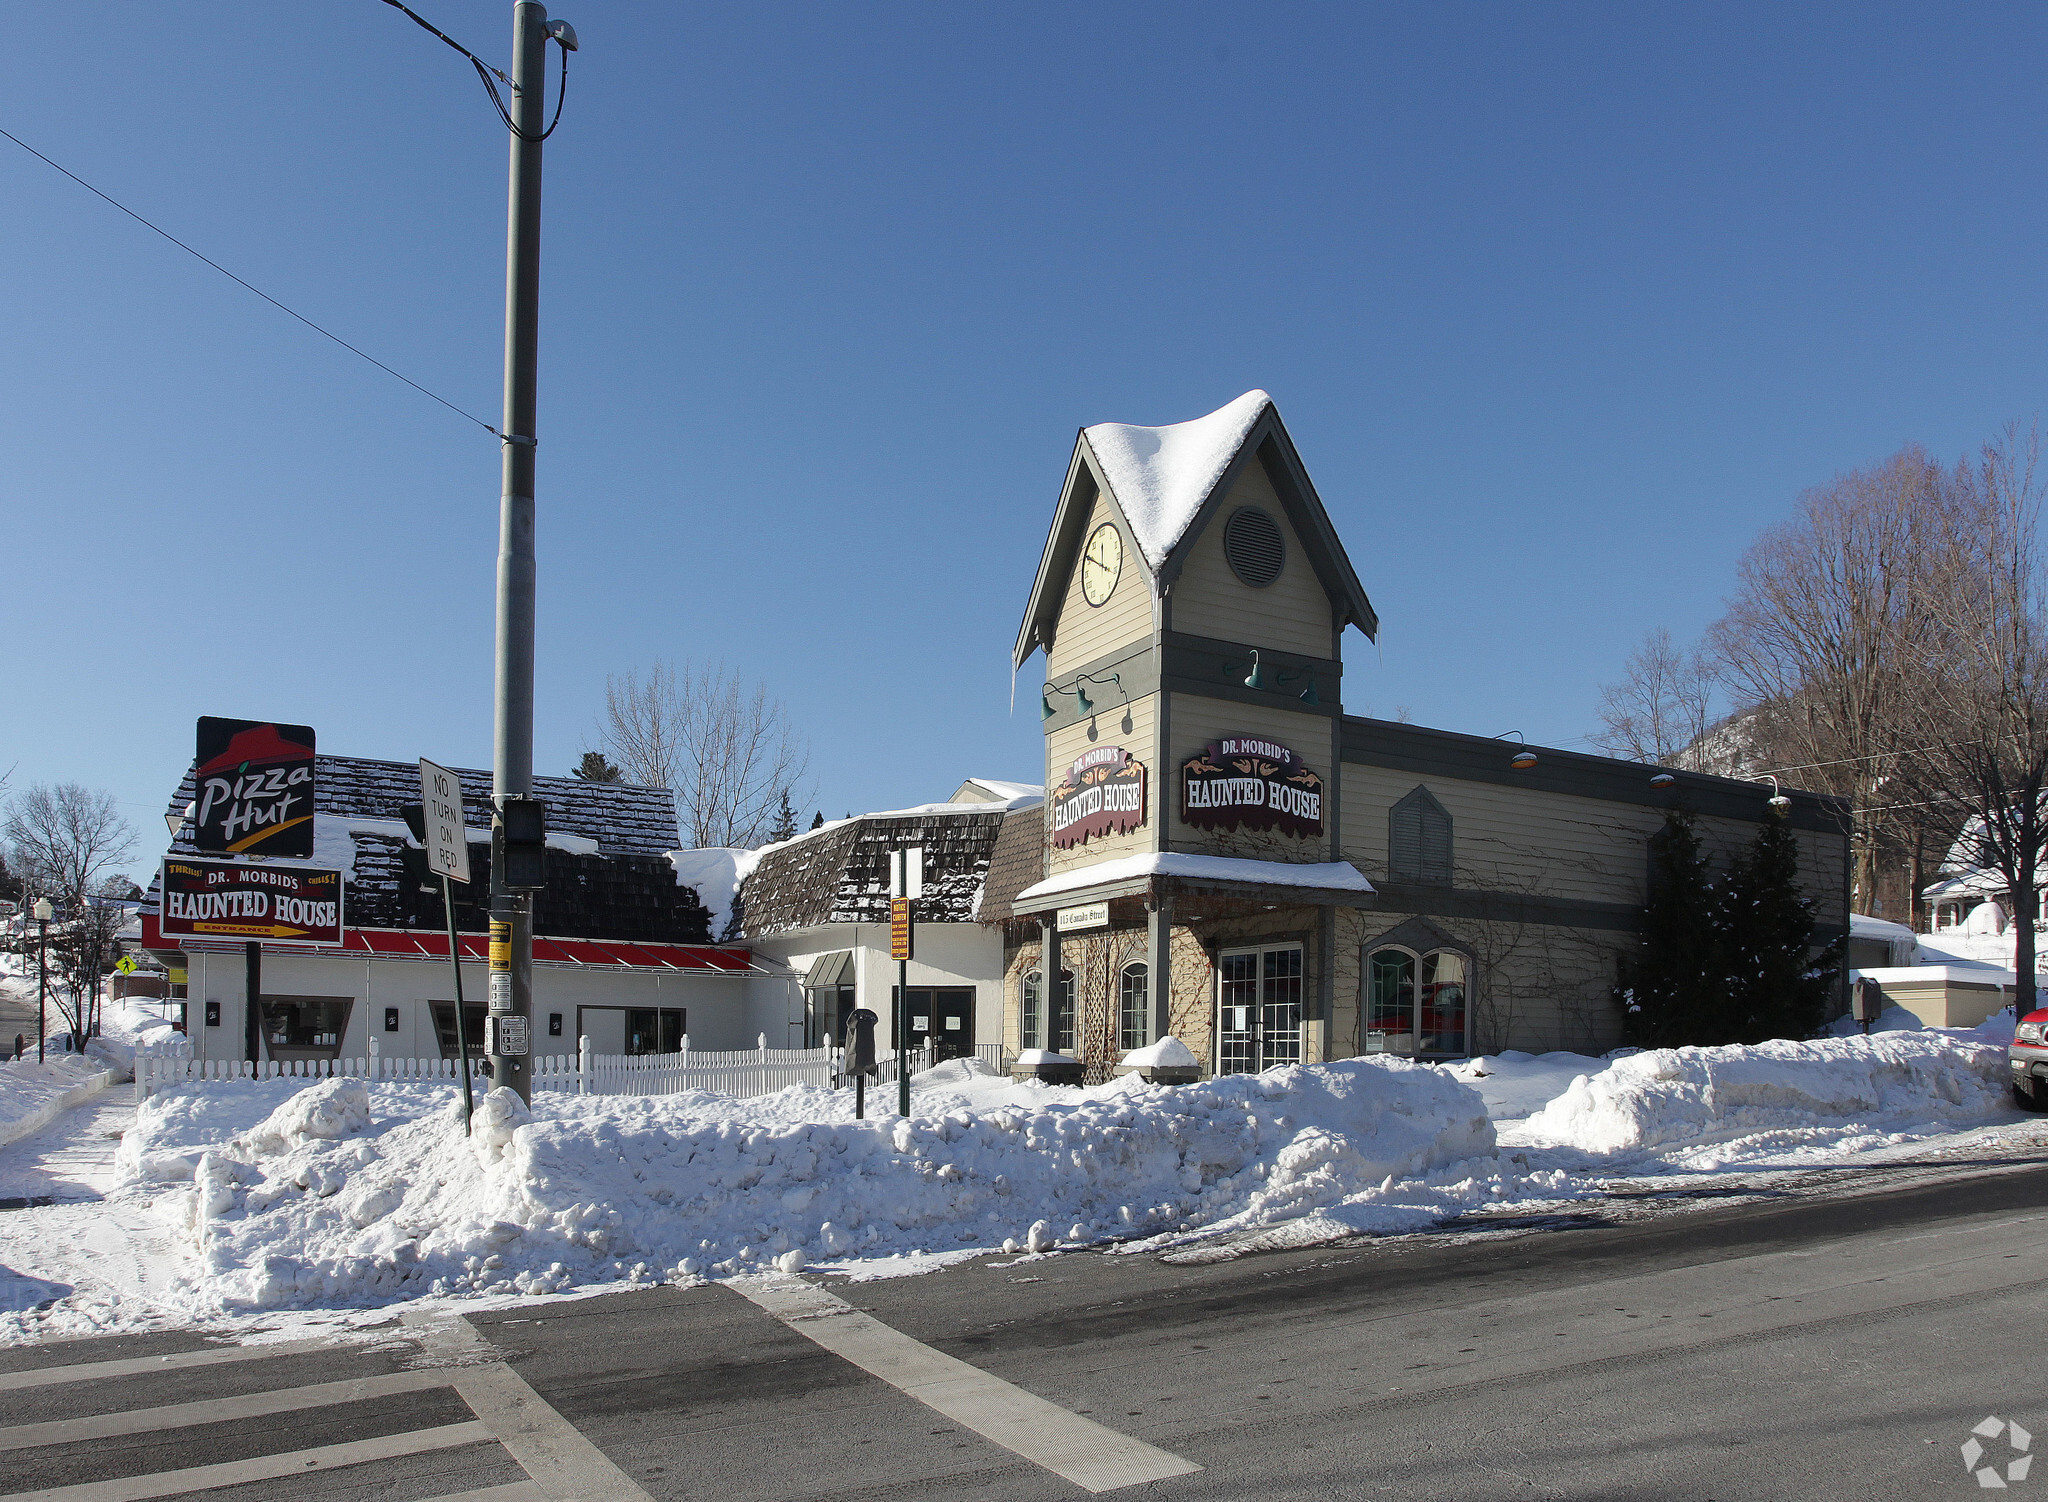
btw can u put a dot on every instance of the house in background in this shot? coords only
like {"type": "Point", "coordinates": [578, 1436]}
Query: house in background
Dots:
{"type": "Point", "coordinates": [819, 904]}
{"type": "Point", "coordinates": [623, 950]}
{"type": "Point", "coordinates": [1227, 856]}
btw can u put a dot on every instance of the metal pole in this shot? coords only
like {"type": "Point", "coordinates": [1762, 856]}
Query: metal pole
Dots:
{"type": "Point", "coordinates": [512, 727]}
{"type": "Point", "coordinates": [903, 1016]}
{"type": "Point", "coordinates": [252, 983]}
{"type": "Point", "coordinates": [42, 982]}
{"type": "Point", "coordinates": [461, 1016]}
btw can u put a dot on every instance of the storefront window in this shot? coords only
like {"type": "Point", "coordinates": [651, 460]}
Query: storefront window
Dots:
{"type": "Point", "coordinates": [1416, 1003]}
{"type": "Point", "coordinates": [1134, 993]}
{"type": "Point", "coordinates": [305, 1027]}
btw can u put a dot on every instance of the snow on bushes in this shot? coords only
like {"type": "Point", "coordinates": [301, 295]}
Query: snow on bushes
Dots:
{"type": "Point", "coordinates": [320, 1204]}
{"type": "Point", "coordinates": [1925, 1081]}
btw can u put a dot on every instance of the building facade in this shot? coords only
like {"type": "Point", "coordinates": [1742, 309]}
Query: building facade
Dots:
{"type": "Point", "coordinates": [623, 952]}
{"type": "Point", "coordinates": [1226, 856]}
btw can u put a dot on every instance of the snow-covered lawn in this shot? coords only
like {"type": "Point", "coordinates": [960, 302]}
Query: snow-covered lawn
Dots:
{"type": "Point", "coordinates": [255, 1198]}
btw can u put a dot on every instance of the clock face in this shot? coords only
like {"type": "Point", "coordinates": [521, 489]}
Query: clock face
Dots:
{"type": "Point", "coordinates": [1101, 563]}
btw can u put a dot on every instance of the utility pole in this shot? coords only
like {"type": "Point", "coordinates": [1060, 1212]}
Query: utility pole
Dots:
{"type": "Point", "coordinates": [511, 954]}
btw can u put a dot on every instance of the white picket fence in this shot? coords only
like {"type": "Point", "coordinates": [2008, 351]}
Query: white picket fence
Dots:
{"type": "Point", "coordinates": [736, 1072]}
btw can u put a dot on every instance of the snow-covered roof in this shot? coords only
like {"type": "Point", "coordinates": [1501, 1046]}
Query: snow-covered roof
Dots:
{"type": "Point", "coordinates": [1161, 476]}
{"type": "Point", "coordinates": [988, 790]}
{"type": "Point", "coordinates": [1326, 876]}
{"type": "Point", "coordinates": [1164, 482]}
{"type": "Point", "coordinates": [1863, 926]}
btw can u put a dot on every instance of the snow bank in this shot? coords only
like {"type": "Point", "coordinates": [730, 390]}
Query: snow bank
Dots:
{"type": "Point", "coordinates": [1927, 1080]}
{"type": "Point", "coordinates": [374, 1194]}
{"type": "Point", "coordinates": [32, 1095]}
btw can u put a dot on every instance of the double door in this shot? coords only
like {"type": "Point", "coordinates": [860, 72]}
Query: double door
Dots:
{"type": "Point", "coordinates": [1258, 1009]}
{"type": "Point", "coordinates": [943, 1013]}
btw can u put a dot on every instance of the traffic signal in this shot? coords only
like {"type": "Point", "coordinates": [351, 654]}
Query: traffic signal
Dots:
{"type": "Point", "coordinates": [521, 835]}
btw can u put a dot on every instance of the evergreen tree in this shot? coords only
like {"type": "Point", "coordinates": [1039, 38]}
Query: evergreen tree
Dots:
{"type": "Point", "coordinates": [1674, 983]}
{"type": "Point", "coordinates": [784, 827]}
{"type": "Point", "coordinates": [818, 822]}
{"type": "Point", "coordinates": [594, 768]}
{"type": "Point", "coordinates": [1776, 987]}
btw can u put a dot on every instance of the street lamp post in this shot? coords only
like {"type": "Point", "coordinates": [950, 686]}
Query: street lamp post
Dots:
{"type": "Point", "coordinates": [43, 914]}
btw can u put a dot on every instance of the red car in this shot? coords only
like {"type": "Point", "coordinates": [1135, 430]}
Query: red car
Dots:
{"type": "Point", "coordinates": [2029, 1058]}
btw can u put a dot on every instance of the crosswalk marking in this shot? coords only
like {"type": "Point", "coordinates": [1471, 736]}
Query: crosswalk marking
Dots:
{"type": "Point", "coordinates": [547, 1446]}
{"type": "Point", "coordinates": [50, 1376]}
{"type": "Point", "coordinates": [264, 1467]}
{"type": "Point", "coordinates": [561, 1465]}
{"type": "Point", "coordinates": [1085, 1452]}
{"type": "Point", "coordinates": [215, 1410]}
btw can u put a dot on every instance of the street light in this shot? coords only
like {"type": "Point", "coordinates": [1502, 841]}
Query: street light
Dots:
{"type": "Point", "coordinates": [43, 913]}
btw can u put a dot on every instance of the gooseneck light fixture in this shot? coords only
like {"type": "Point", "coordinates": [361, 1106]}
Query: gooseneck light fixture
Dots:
{"type": "Point", "coordinates": [1283, 678]}
{"type": "Point", "coordinates": [1778, 799]}
{"type": "Point", "coordinates": [1082, 703]}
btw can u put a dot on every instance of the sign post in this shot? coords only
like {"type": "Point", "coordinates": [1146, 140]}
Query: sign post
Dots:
{"type": "Point", "coordinates": [254, 780]}
{"type": "Point", "coordinates": [447, 842]}
{"type": "Point", "coordinates": [906, 884]}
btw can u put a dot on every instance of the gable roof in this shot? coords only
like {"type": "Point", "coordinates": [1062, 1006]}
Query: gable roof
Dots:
{"type": "Point", "coordinates": [1167, 483]}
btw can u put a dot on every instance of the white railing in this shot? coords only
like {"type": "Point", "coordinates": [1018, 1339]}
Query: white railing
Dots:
{"type": "Point", "coordinates": [737, 1072]}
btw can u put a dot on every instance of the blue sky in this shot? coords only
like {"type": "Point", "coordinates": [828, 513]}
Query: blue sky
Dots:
{"type": "Point", "coordinates": [1562, 305]}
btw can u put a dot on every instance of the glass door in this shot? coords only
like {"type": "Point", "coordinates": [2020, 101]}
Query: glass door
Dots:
{"type": "Point", "coordinates": [1280, 1007]}
{"type": "Point", "coordinates": [1237, 1019]}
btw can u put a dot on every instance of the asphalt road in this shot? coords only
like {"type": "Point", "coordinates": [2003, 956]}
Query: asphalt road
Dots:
{"type": "Point", "coordinates": [1809, 1348]}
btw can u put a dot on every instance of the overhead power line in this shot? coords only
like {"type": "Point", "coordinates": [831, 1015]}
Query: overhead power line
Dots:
{"type": "Point", "coordinates": [238, 281]}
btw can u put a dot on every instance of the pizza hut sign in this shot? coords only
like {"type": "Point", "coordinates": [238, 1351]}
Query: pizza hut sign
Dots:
{"type": "Point", "coordinates": [1102, 793]}
{"type": "Point", "coordinates": [254, 786]}
{"type": "Point", "coordinates": [1245, 782]}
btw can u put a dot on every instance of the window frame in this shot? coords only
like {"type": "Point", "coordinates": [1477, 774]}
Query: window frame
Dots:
{"type": "Point", "coordinates": [1418, 956]}
{"type": "Point", "coordinates": [1141, 972]}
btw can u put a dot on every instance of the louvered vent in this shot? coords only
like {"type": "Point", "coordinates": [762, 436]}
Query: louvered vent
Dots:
{"type": "Point", "coordinates": [1419, 840]}
{"type": "Point", "coordinates": [1252, 543]}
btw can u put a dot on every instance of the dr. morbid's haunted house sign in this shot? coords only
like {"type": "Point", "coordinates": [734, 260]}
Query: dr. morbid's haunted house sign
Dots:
{"type": "Point", "coordinates": [1246, 782]}
{"type": "Point", "coordinates": [254, 782]}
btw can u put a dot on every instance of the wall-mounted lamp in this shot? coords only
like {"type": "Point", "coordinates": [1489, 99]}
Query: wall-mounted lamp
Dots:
{"type": "Point", "coordinates": [1082, 703]}
{"type": "Point", "coordinates": [1255, 679]}
{"type": "Point", "coordinates": [1663, 780]}
{"type": "Point", "coordinates": [1778, 799]}
{"type": "Point", "coordinates": [1284, 678]}
{"type": "Point", "coordinates": [1523, 759]}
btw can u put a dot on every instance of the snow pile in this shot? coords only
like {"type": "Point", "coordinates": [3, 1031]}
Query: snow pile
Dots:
{"type": "Point", "coordinates": [1161, 476]}
{"type": "Point", "coordinates": [370, 1194]}
{"type": "Point", "coordinates": [32, 1095]}
{"type": "Point", "coordinates": [1516, 1084]}
{"type": "Point", "coordinates": [1668, 1096]}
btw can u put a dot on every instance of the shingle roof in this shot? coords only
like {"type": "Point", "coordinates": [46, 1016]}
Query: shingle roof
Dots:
{"type": "Point", "coordinates": [1017, 862]}
{"type": "Point", "coordinates": [627, 890]}
{"type": "Point", "coordinates": [841, 874]}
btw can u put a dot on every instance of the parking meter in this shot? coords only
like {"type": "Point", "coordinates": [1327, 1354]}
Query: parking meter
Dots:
{"type": "Point", "coordinates": [860, 1057]}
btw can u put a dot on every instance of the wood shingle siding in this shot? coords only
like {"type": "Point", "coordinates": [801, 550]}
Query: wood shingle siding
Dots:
{"type": "Point", "coordinates": [841, 874]}
{"type": "Point", "coordinates": [1017, 862]}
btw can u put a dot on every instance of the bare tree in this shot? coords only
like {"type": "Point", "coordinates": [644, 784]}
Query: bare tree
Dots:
{"type": "Point", "coordinates": [1984, 673]}
{"type": "Point", "coordinates": [64, 839]}
{"type": "Point", "coordinates": [725, 749]}
{"type": "Point", "coordinates": [1660, 706]}
{"type": "Point", "coordinates": [1834, 609]}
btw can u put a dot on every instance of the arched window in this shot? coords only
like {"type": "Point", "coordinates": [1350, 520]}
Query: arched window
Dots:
{"type": "Point", "coordinates": [1134, 994]}
{"type": "Point", "coordinates": [1419, 840]}
{"type": "Point", "coordinates": [1416, 1003]}
{"type": "Point", "coordinates": [1033, 1030]}
{"type": "Point", "coordinates": [1031, 1021]}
